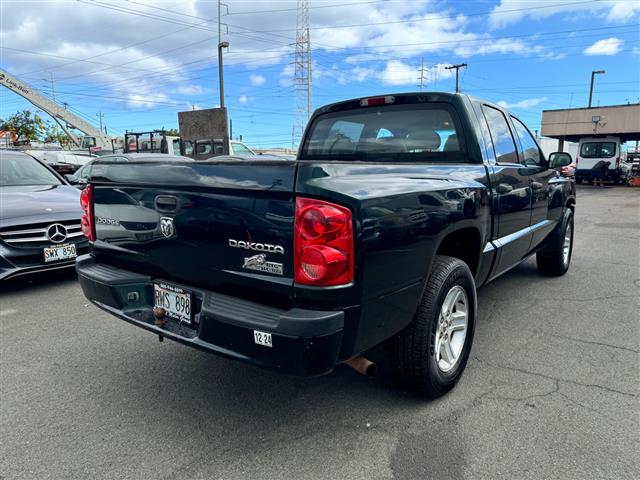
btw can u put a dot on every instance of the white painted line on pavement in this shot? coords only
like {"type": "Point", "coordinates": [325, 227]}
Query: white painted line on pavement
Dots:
{"type": "Point", "coordinates": [9, 311]}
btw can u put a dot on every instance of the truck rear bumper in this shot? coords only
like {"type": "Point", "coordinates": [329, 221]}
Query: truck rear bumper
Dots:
{"type": "Point", "coordinates": [304, 342]}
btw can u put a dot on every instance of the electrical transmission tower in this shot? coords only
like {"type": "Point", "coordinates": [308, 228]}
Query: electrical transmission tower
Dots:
{"type": "Point", "coordinates": [422, 77]}
{"type": "Point", "coordinates": [302, 73]}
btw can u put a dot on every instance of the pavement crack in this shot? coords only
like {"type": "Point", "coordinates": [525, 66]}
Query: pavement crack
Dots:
{"type": "Point", "coordinates": [589, 342]}
{"type": "Point", "coordinates": [563, 380]}
{"type": "Point", "coordinates": [556, 387]}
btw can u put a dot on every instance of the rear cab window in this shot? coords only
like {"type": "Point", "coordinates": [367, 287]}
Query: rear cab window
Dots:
{"type": "Point", "coordinates": [403, 132]}
{"type": "Point", "coordinates": [598, 149]}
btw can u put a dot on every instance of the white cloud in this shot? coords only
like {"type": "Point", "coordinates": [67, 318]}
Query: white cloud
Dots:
{"type": "Point", "coordinates": [190, 90]}
{"type": "Point", "coordinates": [399, 73]}
{"type": "Point", "coordinates": [257, 80]}
{"type": "Point", "coordinates": [243, 99]}
{"type": "Point", "coordinates": [137, 100]}
{"type": "Point", "coordinates": [512, 11]}
{"type": "Point", "coordinates": [526, 103]}
{"type": "Point", "coordinates": [610, 46]}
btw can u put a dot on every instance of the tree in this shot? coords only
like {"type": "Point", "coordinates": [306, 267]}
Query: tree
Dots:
{"type": "Point", "coordinates": [172, 132]}
{"type": "Point", "coordinates": [53, 135]}
{"type": "Point", "coordinates": [24, 124]}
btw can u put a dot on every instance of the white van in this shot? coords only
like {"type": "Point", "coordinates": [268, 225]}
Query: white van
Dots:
{"type": "Point", "coordinates": [609, 149]}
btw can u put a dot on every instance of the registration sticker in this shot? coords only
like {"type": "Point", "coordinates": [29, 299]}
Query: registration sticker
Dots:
{"type": "Point", "coordinates": [262, 338]}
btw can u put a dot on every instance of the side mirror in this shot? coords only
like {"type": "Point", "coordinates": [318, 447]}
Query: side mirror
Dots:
{"type": "Point", "coordinates": [70, 178]}
{"type": "Point", "coordinates": [559, 159]}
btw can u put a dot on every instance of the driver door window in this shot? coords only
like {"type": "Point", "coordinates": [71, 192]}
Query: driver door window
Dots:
{"type": "Point", "coordinates": [503, 143]}
{"type": "Point", "coordinates": [530, 150]}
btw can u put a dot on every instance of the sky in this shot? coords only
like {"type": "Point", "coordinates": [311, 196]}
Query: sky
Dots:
{"type": "Point", "coordinates": [140, 62]}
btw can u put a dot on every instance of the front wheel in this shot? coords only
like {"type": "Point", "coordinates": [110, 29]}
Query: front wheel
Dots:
{"type": "Point", "coordinates": [430, 355]}
{"type": "Point", "coordinates": [554, 259]}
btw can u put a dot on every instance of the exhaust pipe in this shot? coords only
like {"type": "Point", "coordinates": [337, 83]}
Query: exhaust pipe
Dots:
{"type": "Point", "coordinates": [363, 366]}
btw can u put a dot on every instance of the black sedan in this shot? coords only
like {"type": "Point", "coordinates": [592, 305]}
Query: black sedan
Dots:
{"type": "Point", "coordinates": [39, 217]}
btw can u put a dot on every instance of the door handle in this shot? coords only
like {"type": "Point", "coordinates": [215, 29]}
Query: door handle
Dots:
{"type": "Point", "coordinates": [535, 186]}
{"type": "Point", "coordinates": [503, 188]}
{"type": "Point", "coordinates": [166, 203]}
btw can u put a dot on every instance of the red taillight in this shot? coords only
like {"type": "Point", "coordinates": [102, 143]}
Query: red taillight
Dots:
{"type": "Point", "coordinates": [86, 221]}
{"type": "Point", "coordinates": [617, 163]}
{"type": "Point", "coordinates": [577, 162]}
{"type": "Point", "coordinates": [323, 243]}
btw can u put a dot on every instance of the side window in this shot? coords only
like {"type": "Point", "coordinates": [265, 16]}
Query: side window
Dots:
{"type": "Point", "coordinates": [203, 148]}
{"type": "Point", "coordinates": [530, 148]}
{"type": "Point", "coordinates": [176, 147]}
{"type": "Point", "coordinates": [503, 143]}
{"type": "Point", "coordinates": [188, 148]}
{"type": "Point", "coordinates": [240, 149]}
{"type": "Point", "coordinates": [84, 172]}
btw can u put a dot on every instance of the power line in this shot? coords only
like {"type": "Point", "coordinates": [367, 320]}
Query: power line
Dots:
{"type": "Point", "coordinates": [440, 17]}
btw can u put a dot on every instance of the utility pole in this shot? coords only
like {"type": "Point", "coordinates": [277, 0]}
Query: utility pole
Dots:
{"type": "Point", "coordinates": [221, 45]}
{"type": "Point", "coordinates": [593, 74]}
{"type": "Point", "coordinates": [421, 77]}
{"type": "Point", "coordinates": [457, 66]}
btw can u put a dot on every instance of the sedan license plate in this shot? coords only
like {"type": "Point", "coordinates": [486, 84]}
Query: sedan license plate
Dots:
{"type": "Point", "coordinates": [177, 302]}
{"type": "Point", "coordinates": [59, 252]}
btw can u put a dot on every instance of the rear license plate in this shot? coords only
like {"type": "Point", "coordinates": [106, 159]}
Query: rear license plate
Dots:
{"type": "Point", "coordinates": [176, 301]}
{"type": "Point", "coordinates": [59, 252]}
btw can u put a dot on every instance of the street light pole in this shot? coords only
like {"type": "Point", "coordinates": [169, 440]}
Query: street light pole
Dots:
{"type": "Point", "coordinates": [221, 45]}
{"type": "Point", "coordinates": [593, 75]}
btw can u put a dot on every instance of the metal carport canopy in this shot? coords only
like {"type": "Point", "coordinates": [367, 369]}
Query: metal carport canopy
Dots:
{"type": "Point", "coordinates": [572, 124]}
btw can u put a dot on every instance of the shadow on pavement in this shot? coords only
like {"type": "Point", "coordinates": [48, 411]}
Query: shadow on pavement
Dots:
{"type": "Point", "coordinates": [38, 280]}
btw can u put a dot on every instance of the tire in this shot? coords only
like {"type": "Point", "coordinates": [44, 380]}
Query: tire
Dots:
{"type": "Point", "coordinates": [555, 258]}
{"type": "Point", "coordinates": [418, 355]}
{"type": "Point", "coordinates": [579, 181]}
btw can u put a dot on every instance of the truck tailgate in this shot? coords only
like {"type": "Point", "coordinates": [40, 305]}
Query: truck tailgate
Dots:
{"type": "Point", "coordinates": [223, 225]}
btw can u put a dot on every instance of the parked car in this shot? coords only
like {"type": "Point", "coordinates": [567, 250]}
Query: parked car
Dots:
{"type": "Point", "coordinates": [609, 149]}
{"type": "Point", "coordinates": [79, 178]}
{"type": "Point", "coordinates": [62, 161]}
{"type": "Point", "coordinates": [568, 171]}
{"type": "Point", "coordinates": [39, 217]}
{"type": "Point", "coordinates": [397, 208]}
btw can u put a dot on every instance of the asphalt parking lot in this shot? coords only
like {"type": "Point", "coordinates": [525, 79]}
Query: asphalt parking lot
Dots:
{"type": "Point", "coordinates": [551, 390]}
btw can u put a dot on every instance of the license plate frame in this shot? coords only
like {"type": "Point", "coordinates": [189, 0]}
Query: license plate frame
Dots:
{"type": "Point", "coordinates": [57, 253]}
{"type": "Point", "coordinates": [176, 301]}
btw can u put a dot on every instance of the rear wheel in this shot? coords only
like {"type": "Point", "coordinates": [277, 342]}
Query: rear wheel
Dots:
{"type": "Point", "coordinates": [430, 355]}
{"type": "Point", "coordinates": [554, 259]}
{"type": "Point", "coordinates": [579, 181]}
